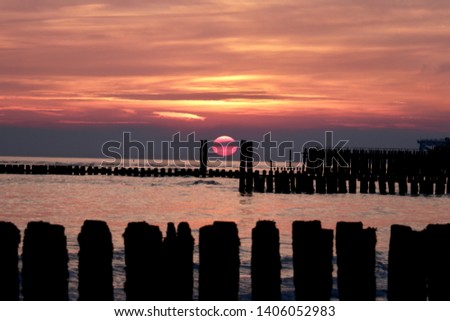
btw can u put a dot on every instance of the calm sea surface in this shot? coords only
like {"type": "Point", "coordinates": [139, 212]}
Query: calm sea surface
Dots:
{"type": "Point", "coordinates": [69, 200]}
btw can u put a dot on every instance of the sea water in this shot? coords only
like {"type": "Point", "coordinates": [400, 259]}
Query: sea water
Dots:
{"type": "Point", "coordinates": [69, 200]}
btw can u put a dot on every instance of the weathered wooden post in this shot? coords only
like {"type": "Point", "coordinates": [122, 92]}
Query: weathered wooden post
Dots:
{"type": "Point", "coordinates": [269, 188]}
{"type": "Point", "coordinates": [313, 261]}
{"type": "Point", "coordinates": [203, 157]}
{"type": "Point", "coordinates": [265, 262]}
{"type": "Point", "coordinates": [143, 259]}
{"type": "Point", "coordinates": [406, 269]}
{"type": "Point", "coordinates": [257, 182]}
{"type": "Point", "coordinates": [242, 167]}
{"type": "Point", "coordinates": [219, 262]}
{"type": "Point", "coordinates": [355, 249]}
{"type": "Point", "coordinates": [249, 165]}
{"type": "Point", "coordinates": [95, 262]}
{"type": "Point", "coordinates": [320, 184]}
{"type": "Point", "coordinates": [382, 184]}
{"type": "Point", "coordinates": [342, 181]}
{"type": "Point", "coordinates": [352, 184]}
{"type": "Point", "coordinates": [438, 261]}
{"type": "Point", "coordinates": [278, 183]}
{"type": "Point", "coordinates": [372, 186]}
{"type": "Point", "coordinates": [298, 182]}
{"type": "Point", "coordinates": [448, 182]}
{"type": "Point", "coordinates": [185, 262]}
{"type": "Point", "coordinates": [309, 183]}
{"type": "Point", "coordinates": [440, 185]}
{"type": "Point", "coordinates": [402, 186]}
{"type": "Point", "coordinates": [45, 272]}
{"type": "Point", "coordinates": [9, 260]}
{"type": "Point", "coordinates": [391, 185]}
{"type": "Point", "coordinates": [292, 182]}
{"type": "Point", "coordinates": [285, 185]}
{"type": "Point", "coordinates": [363, 184]}
{"type": "Point", "coordinates": [169, 264]}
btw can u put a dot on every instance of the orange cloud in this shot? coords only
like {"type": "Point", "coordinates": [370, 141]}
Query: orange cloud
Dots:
{"type": "Point", "coordinates": [177, 115]}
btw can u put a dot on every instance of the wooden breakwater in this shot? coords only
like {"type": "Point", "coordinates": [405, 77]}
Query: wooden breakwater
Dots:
{"type": "Point", "coordinates": [80, 170]}
{"type": "Point", "coordinates": [161, 268]}
{"type": "Point", "coordinates": [367, 171]}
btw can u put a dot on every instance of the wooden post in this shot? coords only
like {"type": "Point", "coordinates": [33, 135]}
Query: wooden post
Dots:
{"type": "Point", "coordinates": [265, 262]}
{"type": "Point", "coordinates": [169, 264]}
{"type": "Point", "coordinates": [219, 262]}
{"type": "Point", "coordinates": [185, 262]}
{"type": "Point", "coordinates": [438, 261]}
{"type": "Point", "coordinates": [331, 180]}
{"type": "Point", "coordinates": [292, 182]}
{"type": "Point", "coordinates": [242, 166]}
{"type": "Point", "coordinates": [249, 165]}
{"type": "Point", "coordinates": [352, 184]}
{"type": "Point", "coordinates": [320, 184]}
{"type": "Point", "coordinates": [290, 160]}
{"type": "Point", "coordinates": [382, 184]}
{"type": "Point", "coordinates": [363, 185]}
{"type": "Point", "coordinates": [143, 259]}
{"type": "Point", "coordinates": [372, 186]}
{"type": "Point", "coordinates": [203, 157]}
{"type": "Point", "coordinates": [45, 272]}
{"type": "Point", "coordinates": [448, 183]}
{"type": "Point", "coordinates": [256, 182]}
{"type": "Point", "coordinates": [269, 188]}
{"type": "Point", "coordinates": [355, 249]}
{"type": "Point", "coordinates": [342, 181]}
{"type": "Point", "coordinates": [391, 185]}
{"type": "Point", "coordinates": [278, 183]}
{"type": "Point", "coordinates": [440, 185]}
{"type": "Point", "coordinates": [313, 261]}
{"type": "Point", "coordinates": [9, 259]}
{"type": "Point", "coordinates": [309, 180]}
{"type": "Point", "coordinates": [414, 186]}
{"type": "Point", "coordinates": [406, 266]}
{"type": "Point", "coordinates": [95, 280]}
{"type": "Point", "coordinates": [402, 186]}
{"type": "Point", "coordinates": [285, 184]}
{"type": "Point", "coordinates": [298, 182]}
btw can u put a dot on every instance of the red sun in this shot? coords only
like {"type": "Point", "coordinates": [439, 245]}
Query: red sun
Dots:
{"type": "Point", "coordinates": [224, 146]}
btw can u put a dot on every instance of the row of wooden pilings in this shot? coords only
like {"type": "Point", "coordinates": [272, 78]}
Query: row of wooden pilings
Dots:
{"type": "Point", "coordinates": [279, 180]}
{"type": "Point", "coordinates": [328, 172]}
{"type": "Point", "coordinates": [295, 181]}
{"type": "Point", "coordinates": [160, 268]}
{"type": "Point", "coordinates": [115, 171]}
{"type": "Point", "coordinates": [377, 162]}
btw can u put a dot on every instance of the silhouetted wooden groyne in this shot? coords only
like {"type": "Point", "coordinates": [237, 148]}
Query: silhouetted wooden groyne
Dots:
{"type": "Point", "coordinates": [161, 268]}
{"type": "Point", "coordinates": [393, 172]}
{"type": "Point", "coordinates": [79, 170]}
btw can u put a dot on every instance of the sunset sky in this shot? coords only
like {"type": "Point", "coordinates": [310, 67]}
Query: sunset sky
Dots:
{"type": "Point", "coordinates": [77, 73]}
